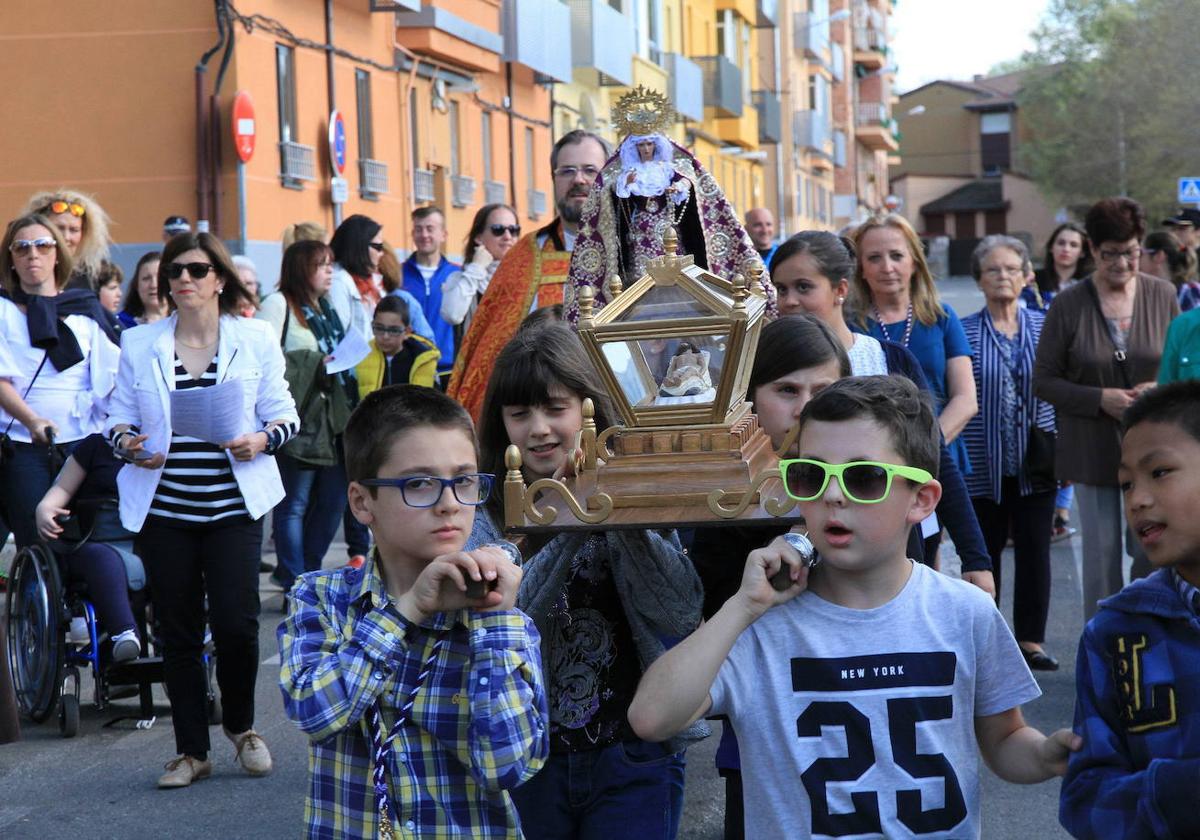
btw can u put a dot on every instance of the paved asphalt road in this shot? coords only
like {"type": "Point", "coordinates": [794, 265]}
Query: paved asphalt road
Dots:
{"type": "Point", "coordinates": [101, 784]}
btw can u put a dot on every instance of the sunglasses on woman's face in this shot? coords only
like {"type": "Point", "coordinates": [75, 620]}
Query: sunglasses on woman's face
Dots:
{"type": "Point", "coordinates": [378, 246]}
{"type": "Point", "coordinates": [864, 482]}
{"type": "Point", "coordinates": [60, 206]}
{"type": "Point", "coordinates": [44, 245]}
{"type": "Point", "coordinates": [498, 230]}
{"type": "Point", "coordinates": [196, 270]}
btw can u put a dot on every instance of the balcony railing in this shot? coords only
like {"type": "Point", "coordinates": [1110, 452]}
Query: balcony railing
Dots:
{"type": "Point", "coordinates": [811, 130]}
{"type": "Point", "coordinates": [871, 114]}
{"type": "Point", "coordinates": [722, 85]}
{"type": "Point", "coordinates": [462, 190]}
{"type": "Point", "coordinates": [868, 39]}
{"type": "Point", "coordinates": [602, 39]}
{"type": "Point", "coordinates": [537, 203]}
{"type": "Point", "coordinates": [423, 185]}
{"type": "Point", "coordinates": [297, 163]}
{"type": "Point", "coordinates": [373, 177]}
{"type": "Point", "coordinates": [495, 192]}
{"type": "Point", "coordinates": [811, 33]}
{"type": "Point", "coordinates": [537, 34]}
{"type": "Point", "coordinates": [766, 102]}
{"type": "Point", "coordinates": [685, 85]}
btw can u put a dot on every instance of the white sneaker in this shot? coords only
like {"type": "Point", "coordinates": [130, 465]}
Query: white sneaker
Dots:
{"type": "Point", "coordinates": [126, 646]}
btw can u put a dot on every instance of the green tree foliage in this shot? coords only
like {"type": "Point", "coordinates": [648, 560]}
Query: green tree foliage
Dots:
{"type": "Point", "coordinates": [1111, 101]}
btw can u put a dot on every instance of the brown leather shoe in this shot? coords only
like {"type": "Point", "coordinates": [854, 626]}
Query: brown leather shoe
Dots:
{"type": "Point", "coordinates": [183, 770]}
{"type": "Point", "coordinates": [252, 752]}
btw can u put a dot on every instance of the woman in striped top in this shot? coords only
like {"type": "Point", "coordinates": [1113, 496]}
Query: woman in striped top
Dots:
{"type": "Point", "coordinates": [197, 505]}
{"type": "Point", "coordinates": [1007, 497]}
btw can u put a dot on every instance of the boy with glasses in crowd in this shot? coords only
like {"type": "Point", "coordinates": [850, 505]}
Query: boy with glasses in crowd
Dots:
{"type": "Point", "coordinates": [416, 680]}
{"type": "Point", "coordinates": [875, 680]}
{"type": "Point", "coordinates": [1138, 670]}
{"type": "Point", "coordinates": [398, 356]}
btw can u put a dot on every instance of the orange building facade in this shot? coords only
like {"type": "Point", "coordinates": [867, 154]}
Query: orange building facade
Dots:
{"type": "Point", "coordinates": [445, 104]}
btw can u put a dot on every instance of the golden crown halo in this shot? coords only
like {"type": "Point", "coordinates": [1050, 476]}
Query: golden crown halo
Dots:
{"type": "Point", "coordinates": [643, 111]}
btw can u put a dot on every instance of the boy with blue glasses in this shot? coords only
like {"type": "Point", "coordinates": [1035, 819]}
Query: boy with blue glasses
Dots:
{"type": "Point", "coordinates": [865, 691]}
{"type": "Point", "coordinates": [417, 682]}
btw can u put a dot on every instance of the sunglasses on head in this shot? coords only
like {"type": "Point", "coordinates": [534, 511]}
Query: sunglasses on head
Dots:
{"type": "Point", "coordinates": [61, 206]}
{"type": "Point", "coordinates": [197, 270]}
{"type": "Point", "coordinates": [498, 230]}
{"type": "Point", "coordinates": [864, 482]}
{"type": "Point", "coordinates": [43, 244]}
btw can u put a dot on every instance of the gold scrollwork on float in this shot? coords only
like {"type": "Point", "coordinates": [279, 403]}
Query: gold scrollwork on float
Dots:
{"type": "Point", "coordinates": [602, 501]}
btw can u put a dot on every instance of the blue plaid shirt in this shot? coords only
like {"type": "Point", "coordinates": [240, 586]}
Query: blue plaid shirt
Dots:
{"type": "Point", "coordinates": [477, 727]}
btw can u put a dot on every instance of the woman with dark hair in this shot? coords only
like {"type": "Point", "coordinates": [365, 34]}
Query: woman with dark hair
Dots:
{"type": "Point", "coordinates": [312, 466]}
{"type": "Point", "coordinates": [1010, 492]}
{"type": "Point", "coordinates": [197, 505]}
{"type": "Point", "coordinates": [1066, 259]}
{"type": "Point", "coordinates": [142, 303]}
{"type": "Point", "coordinates": [1168, 259]}
{"type": "Point", "coordinates": [1100, 348]}
{"type": "Point", "coordinates": [494, 231]}
{"type": "Point", "coordinates": [357, 247]}
{"type": "Point", "coordinates": [58, 365]}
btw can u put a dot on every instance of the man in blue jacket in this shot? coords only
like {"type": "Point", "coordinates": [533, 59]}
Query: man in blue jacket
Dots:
{"type": "Point", "coordinates": [1138, 671]}
{"type": "Point", "coordinates": [425, 271]}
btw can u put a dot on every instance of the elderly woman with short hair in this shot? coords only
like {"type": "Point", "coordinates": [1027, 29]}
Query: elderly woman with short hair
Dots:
{"type": "Point", "coordinates": [1100, 348]}
{"type": "Point", "coordinates": [1008, 490]}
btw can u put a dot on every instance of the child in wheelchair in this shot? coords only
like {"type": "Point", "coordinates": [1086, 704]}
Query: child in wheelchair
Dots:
{"type": "Point", "coordinates": [97, 550]}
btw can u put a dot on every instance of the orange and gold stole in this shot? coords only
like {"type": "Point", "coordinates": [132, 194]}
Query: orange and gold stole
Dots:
{"type": "Point", "coordinates": [527, 278]}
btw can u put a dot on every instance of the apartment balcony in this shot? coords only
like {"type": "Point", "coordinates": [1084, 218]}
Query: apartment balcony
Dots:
{"type": "Point", "coordinates": [811, 132]}
{"type": "Point", "coordinates": [685, 86]}
{"type": "Point", "coordinates": [372, 178]}
{"type": "Point", "coordinates": [602, 40]}
{"type": "Point", "coordinates": [462, 191]}
{"type": "Point", "coordinates": [440, 33]}
{"type": "Point", "coordinates": [873, 127]}
{"type": "Point", "coordinates": [722, 85]}
{"type": "Point", "coordinates": [537, 34]}
{"type": "Point", "coordinates": [837, 62]}
{"type": "Point", "coordinates": [770, 128]}
{"type": "Point", "coordinates": [537, 203]}
{"type": "Point", "coordinates": [870, 48]}
{"type": "Point", "coordinates": [810, 34]}
{"type": "Point", "coordinates": [495, 192]}
{"type": "Point", "coordinates": [423, 186]}
{"type": "Point", "coordinates": [297, 163]}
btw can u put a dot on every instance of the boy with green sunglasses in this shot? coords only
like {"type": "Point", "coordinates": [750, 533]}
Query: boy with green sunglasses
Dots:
{"type": "Point", "coordinates": [873, 681]}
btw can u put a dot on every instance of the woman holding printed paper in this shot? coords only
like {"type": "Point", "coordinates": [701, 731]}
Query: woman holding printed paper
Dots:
{"type": "Point", "coordinates": [198, 505]}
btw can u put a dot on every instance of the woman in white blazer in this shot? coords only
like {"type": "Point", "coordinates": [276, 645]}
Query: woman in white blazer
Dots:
{"type": "Point", "coordinates": [196, 504]}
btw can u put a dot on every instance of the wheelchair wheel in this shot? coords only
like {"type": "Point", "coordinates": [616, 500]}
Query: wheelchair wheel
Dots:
{"type": "Point", "coordinates": [36, 645]}
{"type": "Point", "coordinates": [68, 716]}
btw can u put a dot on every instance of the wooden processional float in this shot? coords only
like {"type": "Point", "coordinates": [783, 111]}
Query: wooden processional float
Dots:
{"type": "Point", "coordinates": [674, 351]}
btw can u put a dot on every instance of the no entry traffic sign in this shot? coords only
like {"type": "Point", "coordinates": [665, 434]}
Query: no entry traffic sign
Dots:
{"type": "Point", "coordinates": [243, 126]}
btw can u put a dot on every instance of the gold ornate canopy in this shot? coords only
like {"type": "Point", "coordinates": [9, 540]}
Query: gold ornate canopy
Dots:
{"type": "Point", "coordinates": [643, 111]}
{"type": "Point", "coordinates": [675, 351]}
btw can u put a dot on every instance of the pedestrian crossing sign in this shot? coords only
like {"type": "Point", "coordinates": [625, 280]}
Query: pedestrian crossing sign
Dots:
{"type": "Point", "coordinates": [1189, 191]}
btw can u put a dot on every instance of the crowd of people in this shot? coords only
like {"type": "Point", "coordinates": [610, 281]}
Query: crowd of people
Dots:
{"type": "Point", "coordinates": [558, 698]}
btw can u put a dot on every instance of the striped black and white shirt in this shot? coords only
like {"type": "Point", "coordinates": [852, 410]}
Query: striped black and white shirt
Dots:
{"type": "Point", "coordinates": [197, 483]}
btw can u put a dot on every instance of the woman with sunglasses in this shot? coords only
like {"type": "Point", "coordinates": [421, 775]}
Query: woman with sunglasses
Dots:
{"type": "Point", "coordinates": [493, 233]}
{"type": "Point", "coordinates": [84, 227]}
{"type": "Point", "coordinates": [197, 505]}
{"type": "Point", "coordinates": [314, 481]}
{"type": "Point", "coordinates": [1100, 348]}
{"type": "Point", "coordinates": [58, 365]}
{"type": "Point", "coordinates": [1011, 487]}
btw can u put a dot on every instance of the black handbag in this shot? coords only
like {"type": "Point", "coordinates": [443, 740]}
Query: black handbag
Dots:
{"type": "Point", "coordinates": [1039, 459]}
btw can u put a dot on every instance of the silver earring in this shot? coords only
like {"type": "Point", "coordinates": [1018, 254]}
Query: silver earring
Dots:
{"type": "Point", "coordinates": [839, 301]}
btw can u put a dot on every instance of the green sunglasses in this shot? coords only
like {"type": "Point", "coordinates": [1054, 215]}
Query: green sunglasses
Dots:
{"type": "Point", "coordinates": [864, 482]}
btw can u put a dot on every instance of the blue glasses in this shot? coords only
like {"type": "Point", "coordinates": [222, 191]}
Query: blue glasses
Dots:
{"type": "Point", "coordinates": [424, 491]}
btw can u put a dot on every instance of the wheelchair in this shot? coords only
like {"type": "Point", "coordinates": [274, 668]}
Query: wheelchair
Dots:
{"type": "Point", "coordinates": [44, 659]}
